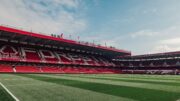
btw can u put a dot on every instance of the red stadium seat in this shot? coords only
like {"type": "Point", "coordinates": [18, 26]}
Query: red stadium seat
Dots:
{"type": "Point", "coordinates": [27, 69]}
{"type": "Point", "coordinates": [6, 68]}
{"type": "Point", "coordinates": [49, 56]}
{"type": "Point", "coordinates": [50, 69]}
{"type": "Point", "coordinates": [64, 58]}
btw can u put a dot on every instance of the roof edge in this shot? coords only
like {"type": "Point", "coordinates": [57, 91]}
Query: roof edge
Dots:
{"type": "Point", "coordinates": [38, 35]}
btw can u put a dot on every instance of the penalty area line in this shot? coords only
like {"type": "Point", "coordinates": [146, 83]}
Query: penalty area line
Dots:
{"type": "Point", "coordinates": [12, 95]}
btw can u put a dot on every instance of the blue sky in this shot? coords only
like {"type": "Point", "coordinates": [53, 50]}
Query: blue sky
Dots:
{"type": "Point", "coordinates": [141, 26]}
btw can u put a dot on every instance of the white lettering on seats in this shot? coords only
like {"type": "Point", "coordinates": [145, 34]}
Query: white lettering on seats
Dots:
{"type": "Point", "coordinates": [30, 53]}
{"type": "Point", "coordinates": [46, 54]}
{"type": "Point", "coordinates": [9, 52]}
{"type": "Point", "coordinates": [64, 57]}
{"type": "Point", "coordinates": [6, 49]}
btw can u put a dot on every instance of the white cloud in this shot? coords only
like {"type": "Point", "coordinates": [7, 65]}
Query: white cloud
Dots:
{"type": "Point", "coordinates": [173, 41]}
{"type": "Point", "coordinates": [166, 32]}
{"type": "Point", "coordinates": [143, 41]}
{"type": "Point", "coordinates": [69, 3]}
{"type": "Point", "coordinates": [156, 41]}
{"type": "Point", "coordinates": [168, 40]}
{"type": "Point", "coordinates": [143, 33]}
{"type": "Point", "coordinates": [161, 48]}
{"type": "Point", "coordinates": [165, 48]}
{"type": "Point", "coordinates": [40, 17]}
{"type": "Point", "coordinates": [167, 45]}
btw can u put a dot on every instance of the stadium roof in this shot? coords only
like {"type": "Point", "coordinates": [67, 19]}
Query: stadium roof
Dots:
{"type": "Point", "coordinates": [21, 36]}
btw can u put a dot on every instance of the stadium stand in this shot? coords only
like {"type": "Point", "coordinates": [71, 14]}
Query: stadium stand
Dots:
{"type": "Point", "coordinates": [161, 63]}
{"type": "Point", "coordinates": [28, 52]}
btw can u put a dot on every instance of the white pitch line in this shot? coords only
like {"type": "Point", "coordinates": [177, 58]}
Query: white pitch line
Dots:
{"type": "Point", "coordinates": [15, 98]}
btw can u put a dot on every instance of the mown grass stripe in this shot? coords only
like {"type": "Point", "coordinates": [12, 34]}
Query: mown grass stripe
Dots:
{"type": "Point", "coordinates": [122, 83]}
{"type": "Point", "coordinates": [147, 77]}
{"type": "Point", "coordinates": [4, 96]}
{"type": "Point", "coordinates": [156, 77]}
{"type": "Point", "coordinates": [130, 80]}
{"type": "Point", "coordinates": [139, 94]}
{"type": "Point", "coordinates": [48, 91]}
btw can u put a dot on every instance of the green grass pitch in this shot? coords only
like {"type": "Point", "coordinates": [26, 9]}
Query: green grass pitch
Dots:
{"type": "Point", "coordinates": [90, 87]}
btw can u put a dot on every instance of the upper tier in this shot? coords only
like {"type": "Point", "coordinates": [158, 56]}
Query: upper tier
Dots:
{"type": "Point", "coordinates": [20, 36]}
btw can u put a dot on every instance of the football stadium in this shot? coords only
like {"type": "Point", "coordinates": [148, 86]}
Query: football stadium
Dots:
{"type": "Point", "coordinates": [37, 67]}
{"type": "Point", "coordinates": [44, 67]}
